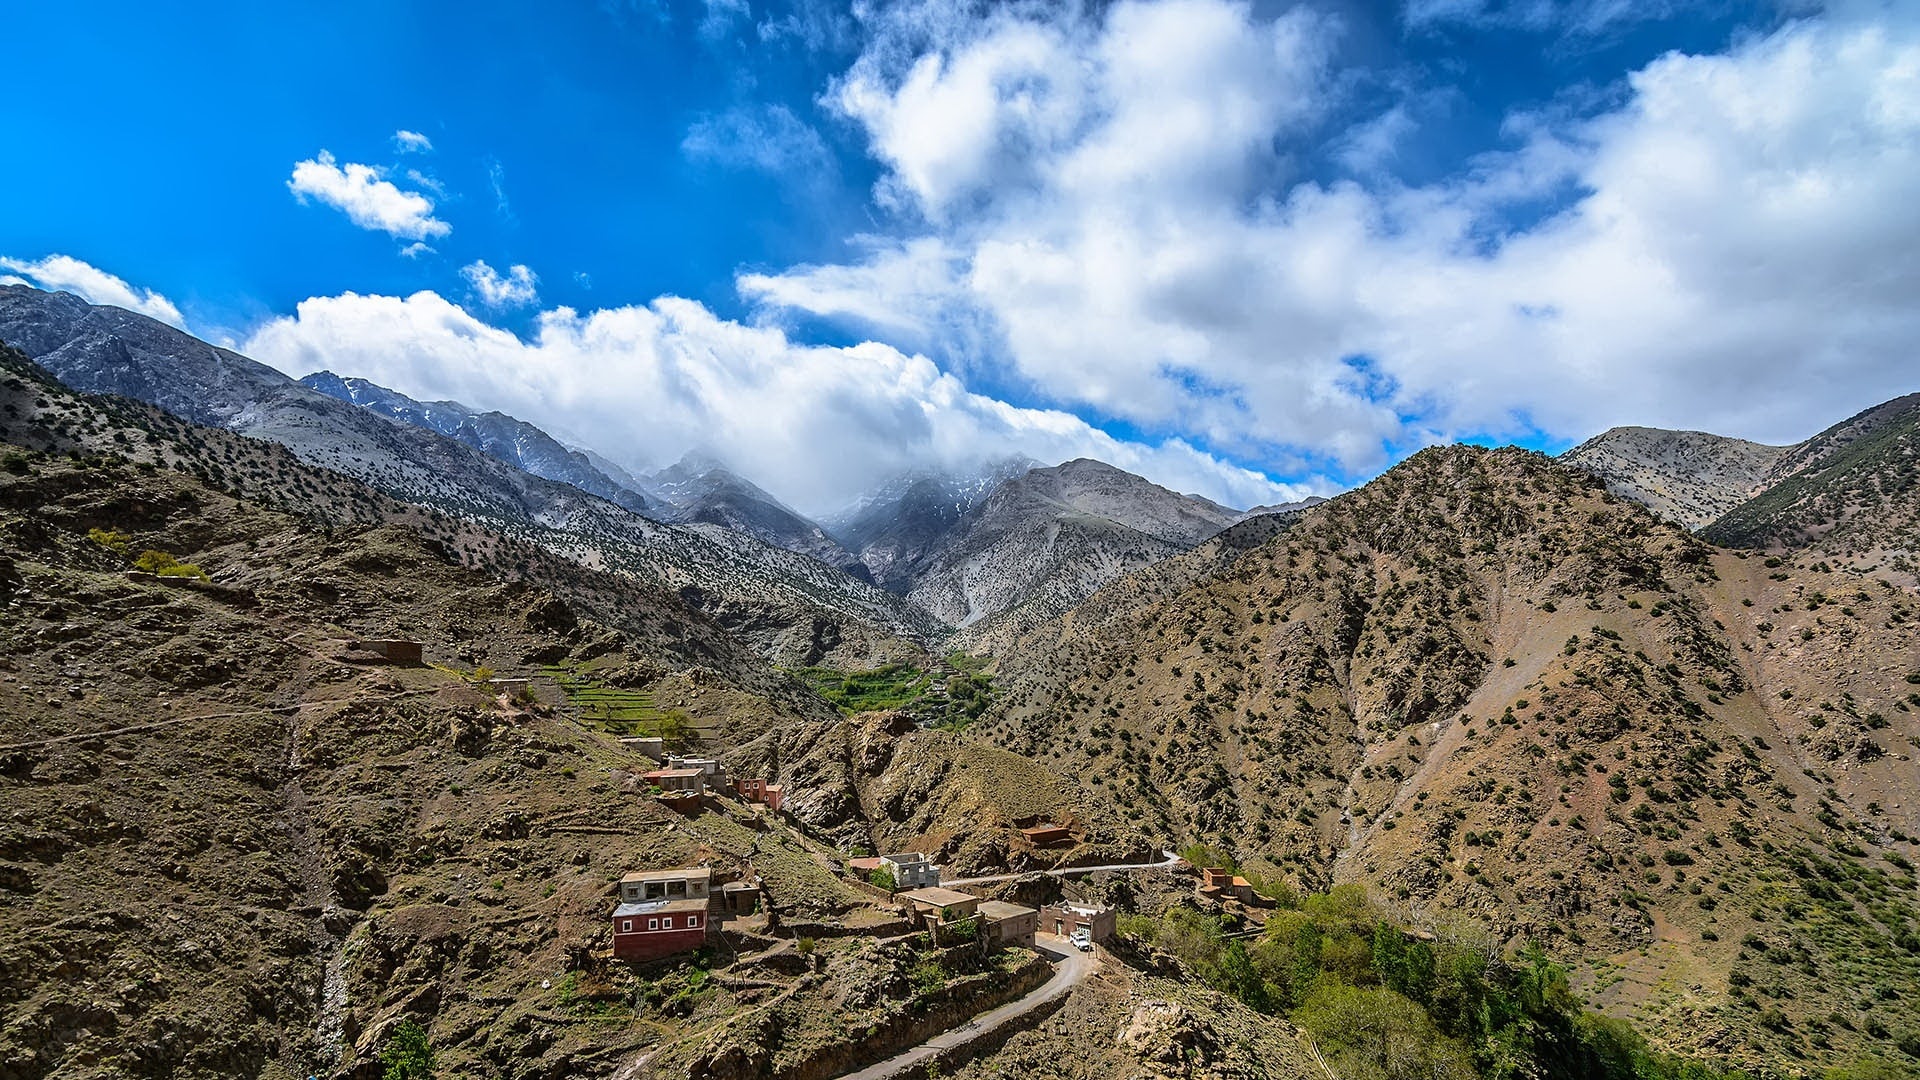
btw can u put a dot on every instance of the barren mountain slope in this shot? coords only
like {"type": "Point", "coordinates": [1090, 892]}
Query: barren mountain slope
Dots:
{"type": "Point", "coordinates": [1850, 493]}
{"type": "Point", "coordinates": [235, 848]}
{"type": "Point", "coordinates": [1049, 538]}
{"type": "Point", "coordinates": [1484, 686]}
{"type": "Point", "coordinates": [1688, 477]}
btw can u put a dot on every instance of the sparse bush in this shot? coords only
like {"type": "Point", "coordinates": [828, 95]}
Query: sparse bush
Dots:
{"type": "Point", "coordinates": [165, 565]}
{"type": "Point", "coordinates": [408, 1055]}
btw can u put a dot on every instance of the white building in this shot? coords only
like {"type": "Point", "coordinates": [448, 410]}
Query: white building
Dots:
{"type": "Point", "coordinates": [910, 870]}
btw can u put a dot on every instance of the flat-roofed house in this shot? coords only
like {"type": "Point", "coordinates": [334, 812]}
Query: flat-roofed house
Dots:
{"type": "Point", "coordinates": [910, 870]}
{"type": "Point", "coordinates": [680, 883]}
{"type": "Point", "coordinates": [1220, 883]}
{"type": "Point", "coordinates": [938, 905]}
{"type": "Point", "coordinates": [651, 745]}
{"type": "Point", "coordinates": [1009, 924]}
{"type": "Point", "coordinates": [1067, 919]}
{"type": "Point", "coordinates": [657, 928]}
{"type": "Point", "coordinates": [756, 789]}
{"type": "Point", "coordinates": [677, 781]}
{"type": "Point", "coordinates": [1048, 836]}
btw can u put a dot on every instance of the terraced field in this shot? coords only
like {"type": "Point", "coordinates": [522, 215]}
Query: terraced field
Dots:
{"type": "Point", "coordinates": [623, 711]}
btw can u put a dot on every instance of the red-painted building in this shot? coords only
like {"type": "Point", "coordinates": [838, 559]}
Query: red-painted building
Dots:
{"type": "Point", "coordinates": [657, 928]}
{"type": "Point", "coordinates": [662, 912]}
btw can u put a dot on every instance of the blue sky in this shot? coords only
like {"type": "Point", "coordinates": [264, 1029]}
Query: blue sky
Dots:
{"type": "Point", "coordinates": [1254, 251]}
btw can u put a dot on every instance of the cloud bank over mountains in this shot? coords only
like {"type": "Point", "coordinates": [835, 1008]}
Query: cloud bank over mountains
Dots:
{"type": "Point", "coordinates": [817, 425]}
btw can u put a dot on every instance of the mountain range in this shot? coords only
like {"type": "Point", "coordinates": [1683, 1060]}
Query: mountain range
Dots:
{"type": "Point", "coordinates": [1651, 706]}
{"type": "Point", "coordinates": [945, 550]}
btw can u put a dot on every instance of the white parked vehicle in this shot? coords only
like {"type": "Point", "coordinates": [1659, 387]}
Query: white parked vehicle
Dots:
{"type": "Point", "coordinates": [1082, 940]}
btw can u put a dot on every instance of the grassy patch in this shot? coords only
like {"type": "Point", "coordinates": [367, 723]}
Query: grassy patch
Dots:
{"type": "Point", "coordinates": [892, 687]}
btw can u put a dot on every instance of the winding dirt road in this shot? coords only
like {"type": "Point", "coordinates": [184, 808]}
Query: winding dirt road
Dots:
{"type": "Point", "coordinates": [1072, 967]}
{"type": "Point", "coordinates": [1168, 863]}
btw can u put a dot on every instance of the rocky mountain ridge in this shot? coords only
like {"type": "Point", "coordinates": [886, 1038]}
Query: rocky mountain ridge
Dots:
{"type": "Point", "coordinates": [1688, 477]}
{"type": "Point", "coordinates": [496, 434]}
{"type": "Point", "coordinates": [1846, 493]}
{"type": "Point", "coordinates": [1484, 685]}
{"type": "Point", "coordinates": [1045, 540]}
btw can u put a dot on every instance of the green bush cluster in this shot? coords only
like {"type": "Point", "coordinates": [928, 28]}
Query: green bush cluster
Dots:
{"type": "Point", "coordinates": [408, 1055]}
{"type": "Point", "coordinates": [165, 565]}
{"type": "Point", "coordinates": [1382, 1003]}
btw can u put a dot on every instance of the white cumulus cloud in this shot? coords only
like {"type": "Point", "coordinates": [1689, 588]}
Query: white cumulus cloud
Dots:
{"type": "Point", "coordinates": [1108, 204]}
{"type": "Point", "coordinates": [64, 273]}
{"type": "Point", "coordinates": [411, 142]}
{"type": "Point", "coordinates": [516, 288]}
{"type": "Point", "coordinates": [816, 425]}
{"type": "Point", "coordinates": [368, 199]}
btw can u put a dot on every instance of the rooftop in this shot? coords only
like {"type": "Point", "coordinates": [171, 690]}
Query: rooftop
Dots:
{"type": "Point", "coordinates": [670, 774]}
{"type": "Point", "coordinates": [656, 907]}
{"type": "Point", "coordinates": [683, 873]}
{"type": "Point", "coordinates": [1000, 909]}
{"type": "Point", "coordinates": [939, 897]}
{"type": "Point", "coordinates": [906, 858]}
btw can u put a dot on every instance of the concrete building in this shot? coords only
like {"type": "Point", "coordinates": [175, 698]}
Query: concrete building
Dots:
{"type": "Point", "coordinates": [654, 747]}
{"type": "Point", "coordinates": [662, 912]}
{"type": "Point", "coordinates": [681, 883]}
{"type": "Point", "coordinates": [677, 781]}
{"type": "Point", "coordinates": [1066, 919]}
{"type": "Point", "coordinates": [657, 928]}
{"type": "Point", "coordinates": [910, 870]}
{"type": "Point", "coordinates": [937, 905]}
{"type": "Point", "coordinates": [1009, 924]}
{"type": "Point", "coordinates": [740, 897]}
{"type": "Point", "coordinates": [712, 770]}
{"type": "Point", "coordinates": [758, 790]}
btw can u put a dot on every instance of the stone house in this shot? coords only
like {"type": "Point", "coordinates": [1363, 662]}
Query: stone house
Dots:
{"type": "Point", "coordinates": [936, 905]}
{"type": "Point", "coordinates": [1009, 924]}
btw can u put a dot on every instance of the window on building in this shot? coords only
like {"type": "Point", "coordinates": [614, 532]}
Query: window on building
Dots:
{"type": "Point", "coordinates": [626, 926]}
{"type": "Point", "coordinates": [693, 921]}
{"type": "Point", "coordinates": [653, 924]}
{"type": "Point", "coordinates": [667, 923]}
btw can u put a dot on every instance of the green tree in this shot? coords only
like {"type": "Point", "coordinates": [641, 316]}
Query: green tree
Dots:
{"type": "Point", "coordinates": [408, 1055]}
{"type": "Point", "coordinates": [1373, 1033]}
{"type": "Point", "coordinates": [882, 879]}
{"type": "Point", "coordinates": [674, 729]}
{"type": "Point", "coordinates": [1237, 976]}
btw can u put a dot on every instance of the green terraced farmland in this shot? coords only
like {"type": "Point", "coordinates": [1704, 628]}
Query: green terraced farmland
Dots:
{"type": "Point", "coordinates": [628, 712]}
